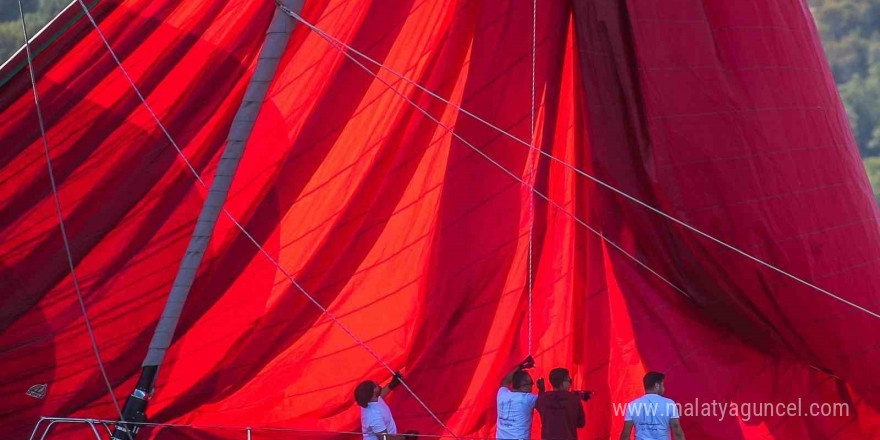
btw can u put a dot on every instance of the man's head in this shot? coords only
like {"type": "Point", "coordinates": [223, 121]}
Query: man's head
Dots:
{"type": "Point", "coordinates": [654, 383]}
{"type": "Point", "coordinates": [366, 392]}
{"type": "Point", "coordinates": [522, 382]}
{"type": "Point", "coordinates": [560, 379]}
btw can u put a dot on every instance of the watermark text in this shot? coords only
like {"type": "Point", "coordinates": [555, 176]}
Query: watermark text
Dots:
{"type": "Point", "coordinates": [742, 410]}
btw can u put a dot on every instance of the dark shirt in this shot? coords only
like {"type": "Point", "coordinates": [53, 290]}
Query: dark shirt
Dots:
{"type": "Point", "coordinates": [561, 415]}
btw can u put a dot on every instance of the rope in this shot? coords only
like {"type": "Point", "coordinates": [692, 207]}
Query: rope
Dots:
{"type": "Point", "coordinates": [598, 181]}
{"type": "Point", "coordinates": [60, 213]}
{"type": "Point", "coordinates": [532, 166]}
{"type": "Point", "coordinates": [246, 233]}
{"type": "Point", "coordinates": [484, 155]}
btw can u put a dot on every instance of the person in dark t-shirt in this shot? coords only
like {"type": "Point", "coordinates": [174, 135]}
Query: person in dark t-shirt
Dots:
{"type": "Point", "coordinates": [560, 409]}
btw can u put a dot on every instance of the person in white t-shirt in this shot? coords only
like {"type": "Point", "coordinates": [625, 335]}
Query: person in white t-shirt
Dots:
{"type": "Point", "coordinates": [516, 406]}
{"type": "Point", "coordinates": [376, 420]}
{"type": "Point", "coordinates": [652, 414]}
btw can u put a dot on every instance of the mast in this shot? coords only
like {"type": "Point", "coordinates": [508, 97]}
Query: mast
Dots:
{"type": "Point", "coordinates": [273, 48]}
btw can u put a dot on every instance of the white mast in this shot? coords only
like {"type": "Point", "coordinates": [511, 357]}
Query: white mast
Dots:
{"type": "Point", "coordinates": [273, 48]}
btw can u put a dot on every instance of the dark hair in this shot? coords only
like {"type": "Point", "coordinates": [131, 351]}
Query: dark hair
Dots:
{"type": "Point", "coordinates": [557, 376]}
{"type": "Point", "coordinates": [653, 378]}
{"type": "Point", "coordinates": [363, 394]}
{"type": "Point", "coordinates": [520, 378]}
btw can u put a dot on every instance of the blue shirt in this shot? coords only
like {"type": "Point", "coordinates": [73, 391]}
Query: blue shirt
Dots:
{"type": "Point", "coordinates": [376, 417]}
{"type": "Point", "coordinates": [650, 415]}
{"type": "Point", "coordinates": [514, 414]}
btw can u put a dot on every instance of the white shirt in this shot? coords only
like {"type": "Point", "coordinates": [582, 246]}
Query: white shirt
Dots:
{"type": "Point", "coordinates": [650, 415]}
{"type": "Point", "coordinates": [376, 417]}
{"type": "Point", "coordinates": [514, 414]}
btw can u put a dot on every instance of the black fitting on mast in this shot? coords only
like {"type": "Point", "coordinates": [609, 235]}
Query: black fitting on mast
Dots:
{"type": "Point", "coordinates": [135, 408]}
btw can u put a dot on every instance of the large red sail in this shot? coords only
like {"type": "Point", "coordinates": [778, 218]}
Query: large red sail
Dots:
{"type": "Point", "coordinates": [721, 114]}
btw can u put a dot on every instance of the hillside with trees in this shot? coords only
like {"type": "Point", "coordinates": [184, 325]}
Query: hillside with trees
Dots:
{"type": "Point", "coordinates": [37, 14]}
{"type": "Point", "coordinates": [850, 32]}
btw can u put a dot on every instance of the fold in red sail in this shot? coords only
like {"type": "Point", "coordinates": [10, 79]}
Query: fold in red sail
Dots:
{"type": "Point", "coordinates": [721, 114]}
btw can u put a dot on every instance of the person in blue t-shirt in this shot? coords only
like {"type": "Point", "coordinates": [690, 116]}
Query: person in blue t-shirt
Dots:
{"type": "Point", "coordinates": [516, 406]}
{"type": "Point", "coordinates": [377, 423]}
{"type": "Point", "coordinates": [652, 415]}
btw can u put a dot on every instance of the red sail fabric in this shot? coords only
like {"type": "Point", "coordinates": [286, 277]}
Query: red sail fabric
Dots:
{"type": "Point", "coordinates": [722, 114]}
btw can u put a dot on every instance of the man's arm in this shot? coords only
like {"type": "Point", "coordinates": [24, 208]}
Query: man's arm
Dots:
{"type": "Point", "coordinates": [676, 429]}
{"type": "Point", "coordinates": [527, 363]}
{"type": "Point", "coordinates": [627, 430]}
{"type": "Point", "coordinates": [395, 381]}
{"type": "Point", "coordinates": [583, 395]}
{"type": "Point", "coordinates": [505, 382]}
{"type": "Point", "coordinates": [581, 417]}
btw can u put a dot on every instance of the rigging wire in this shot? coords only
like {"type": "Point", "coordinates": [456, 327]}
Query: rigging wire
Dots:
{"type": "Point", "coordinates": [64, 238]}
{"type": "Point", "coordinates": [238, 225]}
{"type": "Point", "coordinates": [344, 48]}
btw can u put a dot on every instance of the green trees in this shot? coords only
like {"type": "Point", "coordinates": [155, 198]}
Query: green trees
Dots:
{"type": "Point", "coordinates": [861, 96]}
{"type": "Point", "coordinates": [10, 38]}
{"type": "Point", "coordinates": [850, 32]}
{"type": "Point", "coordinates": [9, 9]}
{"type": "Point", "coordinates": [872, 166]}
{"type": "Point", "coordinates": [37, 14]}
